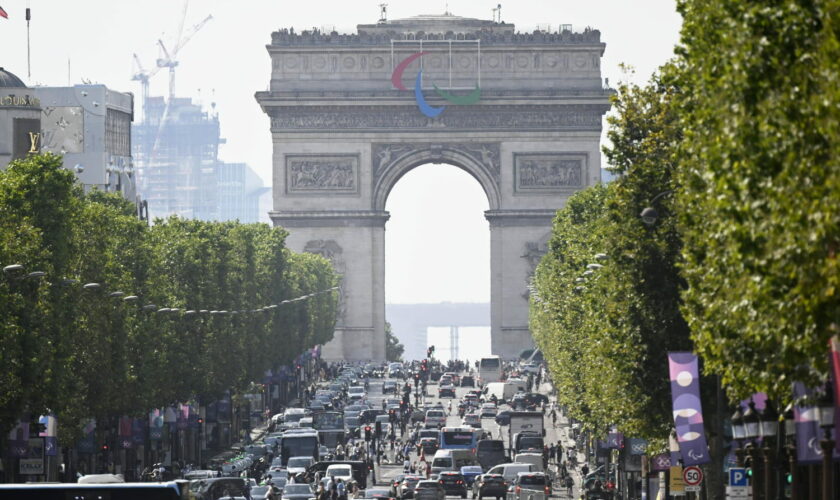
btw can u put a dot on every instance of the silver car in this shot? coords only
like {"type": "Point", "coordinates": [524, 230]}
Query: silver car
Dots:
{"type": "Point", "coordinates": [429, 490]}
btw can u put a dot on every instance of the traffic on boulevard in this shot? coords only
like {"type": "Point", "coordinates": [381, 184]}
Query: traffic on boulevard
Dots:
{"type": "Point", "coordinates": [419, 430]}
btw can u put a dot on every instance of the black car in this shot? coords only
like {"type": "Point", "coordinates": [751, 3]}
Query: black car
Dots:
{"type": "Point", "coordinates": [453, 483]}
{"type": "Point", "coordinates": [467, 381]}
{"type": "Point", "coordinates": [489, 485]}
{"type": "Point", "coordinates": [389, 387]}
{"type": "Point", "coordinates": [503, 417]}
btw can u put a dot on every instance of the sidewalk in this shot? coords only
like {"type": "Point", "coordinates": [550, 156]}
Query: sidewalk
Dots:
{"type": "Point", "coordinates": [256, 433]}
{"type": "Point", "coordinates": [562, 434]}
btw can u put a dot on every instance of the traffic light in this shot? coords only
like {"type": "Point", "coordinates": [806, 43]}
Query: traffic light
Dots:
{"type": "Point", "coordinates": [378, 430]}
{"type": "Point", "coordinates": [367, 433]}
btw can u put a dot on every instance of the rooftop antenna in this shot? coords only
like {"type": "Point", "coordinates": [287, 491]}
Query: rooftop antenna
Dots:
{"type": "Point", "coordinates": [28, 62]}
{"type": "Point", "coordinates": [446, 10]}
{"type": "Point", "coordinates": [499, 10]}
{"type": "Point", "coordinates": [383, 12]}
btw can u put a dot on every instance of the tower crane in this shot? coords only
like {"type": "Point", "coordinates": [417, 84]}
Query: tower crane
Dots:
{"type": "Point", "coordinates": [170, 58]}
{"type": "Point", "coordinates": [143, 76]}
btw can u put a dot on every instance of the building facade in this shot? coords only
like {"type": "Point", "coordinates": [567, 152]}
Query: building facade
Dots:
{"type": "Point", "coordinates": [20, 119]}
{"type": "Point", "coordinates": [90, 126]}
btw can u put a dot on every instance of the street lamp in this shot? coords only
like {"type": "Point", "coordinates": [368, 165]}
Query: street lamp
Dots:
{"type": "Point", "coordinates": [649, 214]}
{"type": "Point", "coordinates": [769, 428]}
{"type": "Point", "coordinates": [752, 424]}
{"type": "Point", "coordinates": [13, 268]}
{"type": "Point", "coordinates": [790, 447]}
{"type": "Point", "coordinates": [825, 416]}
{"type": "Point", "coordinates": [738, 434]}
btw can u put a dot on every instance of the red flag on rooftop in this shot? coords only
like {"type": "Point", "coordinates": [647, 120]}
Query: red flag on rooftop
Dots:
{"type": "Point", "coordinates": [3, 13]}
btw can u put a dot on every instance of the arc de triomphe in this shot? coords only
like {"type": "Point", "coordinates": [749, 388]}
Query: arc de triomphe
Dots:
{"type": "Point", "coordinates": [351, 114]}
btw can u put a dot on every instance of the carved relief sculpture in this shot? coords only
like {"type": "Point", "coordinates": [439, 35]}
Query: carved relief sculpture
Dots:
{"type": "Point", "coordinates": [547, 172]}
{"type": "Point", "coordinates": [534, 251]}
{"type": "Point", "coordinates": [322, 173]}
{"type": "Point", "coordinates": [487, 154]}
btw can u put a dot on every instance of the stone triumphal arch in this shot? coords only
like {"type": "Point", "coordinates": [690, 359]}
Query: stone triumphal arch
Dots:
{"type": "Point", "coordinates": [351, 113]}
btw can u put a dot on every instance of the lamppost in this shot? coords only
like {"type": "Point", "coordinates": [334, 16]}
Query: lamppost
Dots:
{"type": "Point", "coordinates": [790, 448]}
{"type": "Point", "coordinates": [752, 430]}
{"type": "Point", "coordinates": [769, 428]}
{"type": "Point", "coordinates": [825, 415]}
{"type": "Point", "coordinates": [738, 435]}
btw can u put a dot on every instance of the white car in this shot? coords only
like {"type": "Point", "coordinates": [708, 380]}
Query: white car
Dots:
{"type": "Point", "coordinates": [339, 471]}
{"type": "Point", "coordinates": [298, 465]}
{"type": "Point", "coordinates": [488, 410]}
{"type": "Point", "coordinates": [435, 418]}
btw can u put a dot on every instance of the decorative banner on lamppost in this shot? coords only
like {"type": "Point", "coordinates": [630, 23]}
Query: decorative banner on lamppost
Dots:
{"type": "Point", "coordinates": [88, 443]}
{"type": "Point", "coordinates": [615, 439]}
{"type": "Point", "coordinates": [155, 425]}
{"type": "Point", "coordinates": [688, 412]}
{"type": "Point", "coordinates": [19, 440]}
{"type": "Point", "coordinates": [49, 434]}
{"type": "Point", "coordinates": [835, 375]}
{"type": "Point", "coordinates": [807, 428]}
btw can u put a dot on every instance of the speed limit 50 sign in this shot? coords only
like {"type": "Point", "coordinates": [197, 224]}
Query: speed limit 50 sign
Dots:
{"type": "Point", "coordinates": [692, 476]}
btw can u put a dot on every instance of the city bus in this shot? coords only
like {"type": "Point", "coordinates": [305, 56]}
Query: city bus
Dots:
{"type": "Point", "coordinates": [458, 438]}
{"type": "Point", "coordinates": [489, 369]}
{"type": "Point", "coordinates": [299, 443]}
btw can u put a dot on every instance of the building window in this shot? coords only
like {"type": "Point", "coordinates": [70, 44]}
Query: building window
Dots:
{"type": "Point", "coordinates": [118, 133]}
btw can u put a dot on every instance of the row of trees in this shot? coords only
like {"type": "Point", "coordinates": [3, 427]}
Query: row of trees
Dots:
{"type": "Point", "coordinates": [734, 145]}
{"type": "Point", "coordinates": [85, 351]}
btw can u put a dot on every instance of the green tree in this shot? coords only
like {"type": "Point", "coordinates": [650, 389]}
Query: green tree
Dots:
{"type": "Point", "coordinates": [759, 206]}
{"type": "Point", "coordinates": [393, 348]}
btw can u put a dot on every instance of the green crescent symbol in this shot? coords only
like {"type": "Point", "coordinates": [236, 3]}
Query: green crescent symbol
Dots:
{"type": "Point", "coordinates": [461, 100]}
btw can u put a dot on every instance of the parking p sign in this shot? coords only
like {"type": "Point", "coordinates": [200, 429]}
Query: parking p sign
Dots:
{"type": "Point", "coordinates": [737, 477]}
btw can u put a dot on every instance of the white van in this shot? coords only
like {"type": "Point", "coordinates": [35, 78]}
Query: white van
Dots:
{"type": "Point", "coordinates": [535, 459]}
{"type": "Point", "coordinates": [452, 460]}
{"type": "Point", "coordinates": [509, 471]}
{"type": "Point", "coordinates": [502, 390]}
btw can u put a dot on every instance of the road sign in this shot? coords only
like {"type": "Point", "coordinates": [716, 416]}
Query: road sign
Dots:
{"type": "Point", "coordinates": [692, 476]}
{"type": "Point", "coordinates": [738, 477]}
{"type": "Point", "coordinates": [677, 486]}
{"type": "Point", "coordinates": [738, 493]}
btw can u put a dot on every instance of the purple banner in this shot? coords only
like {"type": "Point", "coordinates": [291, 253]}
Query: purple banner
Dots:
{"type": "Point", "coordinates": [688, 412]}
{"type": "Point", "coordinates": [660, 462]}
{"type": "Point", "coordinates": [615, 439]}
{"type": "Point", "coordinates": [138, 431]}
{"type": "Point", "coordinates": [808, 432]}
{"type": "Point", "coordinates": [19, 440]}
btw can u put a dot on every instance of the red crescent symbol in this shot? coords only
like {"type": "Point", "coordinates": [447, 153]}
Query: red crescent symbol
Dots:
{"type": "Point", "coordinates": [396, 77]}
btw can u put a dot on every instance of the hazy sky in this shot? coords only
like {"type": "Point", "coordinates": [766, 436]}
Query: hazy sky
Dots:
{"type": "Point", "coordinates": [226, 62]}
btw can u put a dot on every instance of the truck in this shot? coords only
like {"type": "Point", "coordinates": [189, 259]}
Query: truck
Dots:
{"type": "Point", "coordinates": [525, 421]}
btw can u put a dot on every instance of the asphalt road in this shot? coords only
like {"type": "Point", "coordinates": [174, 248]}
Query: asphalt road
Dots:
{"type": "Point", "coordinates": [387, 472]}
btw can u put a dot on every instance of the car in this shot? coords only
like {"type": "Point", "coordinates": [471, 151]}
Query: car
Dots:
{"type": "Point", "coordinates": [446, 391]}
{"type": "Point", "coordinates": [389, 387]}
{"type": "Point", "coordinates": [445, 380]}
{"type": "Point", "coordinates": [298, 465]}
{"type": "Point", "coordinates": [488, 410]}
{"type": "Point", "coordinates": [529, 485]}
{"type": "Point", "coordinates": [453, 483]}
{"type": "Point", "coordinates": [470, 473]}
{"type": "Point", "coordinates": [298, 491]}
{"type": "Point", "coordinates": [456, 379]}
{"type": "Point", "coordinates": [377, 493]}
{"type": "Point", "coordinates": [503, 417]}
{"type": "Point", "coordinates": [472, 420]}
{"type": "Point", "coordinates": [407, 485]}
{"type": "Point", "coordinates": [435, 418]}
{"type": "Point", "coordinates": [429, 445]}
{"type": "Point", "coordinates": [429, 490]}
{"type": "Point", "coordinates": [467, 381]}
{"type": "Point", "coordinates": [264, 492]}
{"type": "Point", "coordinates": [489, 485]}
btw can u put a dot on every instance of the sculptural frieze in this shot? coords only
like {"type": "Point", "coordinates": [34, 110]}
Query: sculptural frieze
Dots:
{"type": "Point", "coordinates": [322, 173]}
{"type": "Point", "coordinates": [549, 172]}
{"type": "Point", "coordinates": [407, 118]}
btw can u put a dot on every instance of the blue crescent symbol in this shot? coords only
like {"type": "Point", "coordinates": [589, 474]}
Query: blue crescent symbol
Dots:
{"type": "Point", "coordinates": [427, 110]}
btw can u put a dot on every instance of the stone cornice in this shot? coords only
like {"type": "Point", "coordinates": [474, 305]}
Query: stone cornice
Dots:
{"type": "Point", "coordinates": [522, 217]}
{"type": "Point", "coordinates": [460, 118]}
{"type": "Point", "coordinates": [285, 98]}
{"type": "Point", "coordinates": [308, 38]}
{"type": "Point", "coordinates": [330, 218]}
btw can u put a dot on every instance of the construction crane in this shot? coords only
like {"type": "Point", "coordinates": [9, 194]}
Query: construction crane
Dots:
{"type": "Point", "coordinates": [143, 76]}
{"type": "Point", "coordinates": [170, 59]}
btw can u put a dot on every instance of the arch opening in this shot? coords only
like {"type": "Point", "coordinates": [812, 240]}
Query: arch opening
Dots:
{"type": "Point", "coordinates": [437, 250]}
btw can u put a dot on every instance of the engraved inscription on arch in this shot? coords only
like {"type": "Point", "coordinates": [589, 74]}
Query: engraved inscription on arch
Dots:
{"type": "Point", "coordinates": [328, 174]}
{"type": "Point", "coordinates": [549, 172]}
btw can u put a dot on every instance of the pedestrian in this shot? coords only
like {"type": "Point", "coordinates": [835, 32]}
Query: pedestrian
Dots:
{"type": "Point", "coordinates": [341, 490]}
{"type": "Point", "coordinates": [428, 470]}
{"type": "Point", "coordinates": [553, 415]}
{"type": "Point", "coordinates": [584, 470]}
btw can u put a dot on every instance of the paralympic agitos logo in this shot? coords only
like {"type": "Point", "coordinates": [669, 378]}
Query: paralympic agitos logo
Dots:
{"type": "Point", "coordinates": [428, 110]}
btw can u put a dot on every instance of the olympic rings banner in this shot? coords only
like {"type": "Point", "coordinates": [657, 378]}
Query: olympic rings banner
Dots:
{"type": "Point", "coordinates": [425, 108]}
{"type": "Point", "coordinates": [688, 413]}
